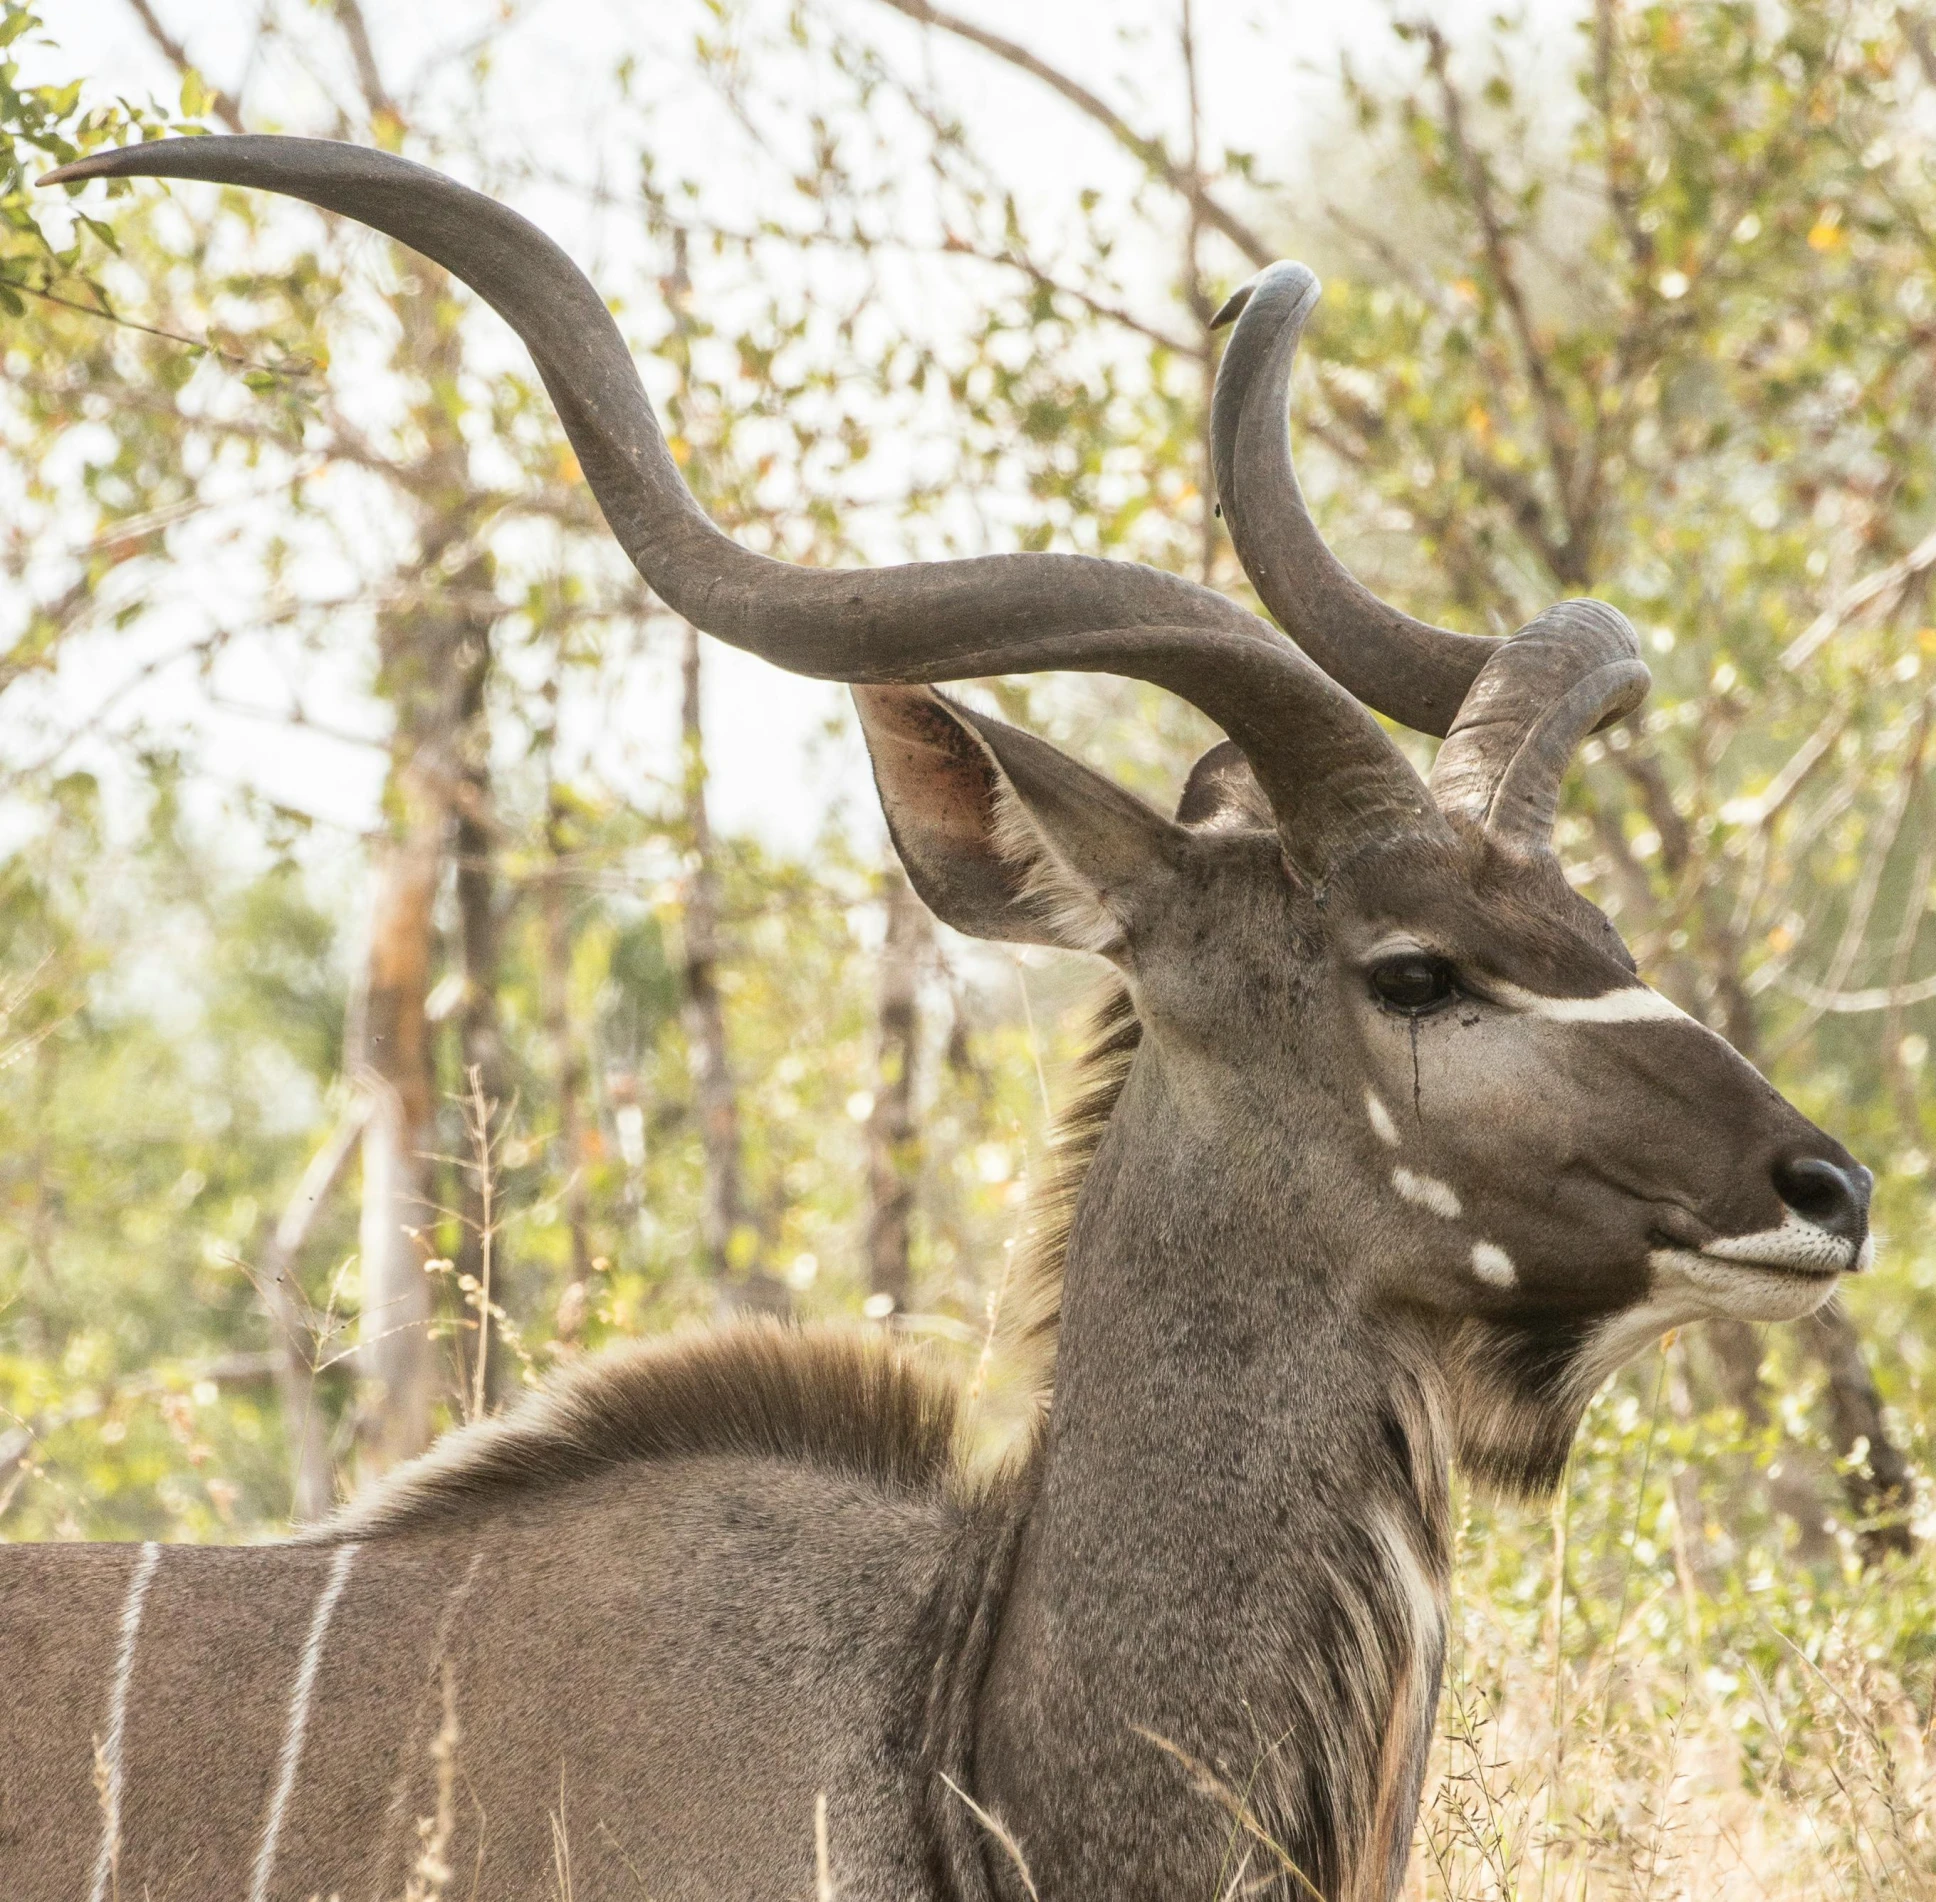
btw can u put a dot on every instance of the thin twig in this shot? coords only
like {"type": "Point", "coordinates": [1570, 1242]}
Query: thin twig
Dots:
{"type": "Point", "coordinates": [292, 372]}
{"type": "Point", "coordinates": [1150, 151]}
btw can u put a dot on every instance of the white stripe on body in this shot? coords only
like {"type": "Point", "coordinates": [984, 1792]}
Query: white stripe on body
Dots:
{"type": "Point", "coordinates": [109, 1768]}
{"type": "Point", "coordinates": [292, 1736]}
{"type": "Point", "coordinates": [1634, 1004]}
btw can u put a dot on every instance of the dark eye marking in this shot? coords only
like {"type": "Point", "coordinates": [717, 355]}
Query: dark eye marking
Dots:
{"type": "Point", "coordinates": [1413, 983]}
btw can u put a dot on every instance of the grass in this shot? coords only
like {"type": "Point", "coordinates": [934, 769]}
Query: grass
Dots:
{"type": "Point", "coordinates": [1816, 1780]}
{"type": "Point", "coordinates": [1650, 1696]}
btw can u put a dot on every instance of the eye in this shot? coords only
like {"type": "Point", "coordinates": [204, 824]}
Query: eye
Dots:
{"type": "Point", "coordinates": [1413, 982]}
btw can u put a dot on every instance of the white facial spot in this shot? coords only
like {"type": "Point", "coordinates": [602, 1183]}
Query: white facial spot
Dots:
{"type": "Point", "coordinates": [1492, 1264]}
{"type": "Point", "coordinates": [1382, 1125]}
{"type": "Point", "coordinates": [1428, 1193]}
{"type": "Point", "coordinates": [1636, 1004]}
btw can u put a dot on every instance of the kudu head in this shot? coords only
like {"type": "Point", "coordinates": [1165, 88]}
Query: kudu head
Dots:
{"type": "Point", "coordinates": [1501, 1126]}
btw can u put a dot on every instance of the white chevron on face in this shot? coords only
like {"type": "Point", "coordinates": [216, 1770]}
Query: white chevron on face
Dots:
{"type": "Point", "coordinates": [1635, 1004]}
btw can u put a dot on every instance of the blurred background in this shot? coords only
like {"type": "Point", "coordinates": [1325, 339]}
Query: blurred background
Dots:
{"type": "Point", "coordinates": [423, 959]}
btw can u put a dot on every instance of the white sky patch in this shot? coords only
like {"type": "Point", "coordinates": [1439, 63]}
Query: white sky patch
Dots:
{"type": "Point", "coordinates": [1382, 1125]}
{"type": "Point", "coordinates": [1493, 1265]}
{"type": "Point", "coordinates": [1428, 1193]}
{"type": "Point", "coordinates": [1636, 1004]}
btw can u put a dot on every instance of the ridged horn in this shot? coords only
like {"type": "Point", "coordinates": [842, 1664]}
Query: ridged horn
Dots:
{"type": "Point", "coordinates": [1410, 670]}
{"type": "Point", "coordinates": [1574, 668]}
{"type": "Point", "coordinates": [1331, 775]}
{"type": "Point", "coordinates": [1510, 708]}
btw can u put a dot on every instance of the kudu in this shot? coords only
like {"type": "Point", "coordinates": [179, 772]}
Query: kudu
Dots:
{"type": "Point", "coordinates": [1388, 1158]}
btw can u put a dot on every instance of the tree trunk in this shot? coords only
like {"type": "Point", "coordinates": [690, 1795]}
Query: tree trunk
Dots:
{"type": "Point", "coordinates": [390, 1046]}
{"type": "Point", "coordinates": [892, 1155]}
{"type": "Point", "coordinates": [728, 1243]}
{"type": "Point", "coordinates": [567, 1066]}
{"type": "Point", "coordinates": [312, 1484]}
{"type": "Point", "coordinates": [1875, 1474]}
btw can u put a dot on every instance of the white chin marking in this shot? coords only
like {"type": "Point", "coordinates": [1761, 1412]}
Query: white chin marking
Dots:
{"type": "Point", "coordinates": [1797, 1244]}
{"type": "Point", "coordinates": [1382, 1125]}
{"type": "Point", "coordinates": [1428, 1193]}
{"type": "Point", "coordinates": [1492, 1264]}
{"type": "Point", "coordinates": [1692, 1285]}
{"type": "Point", "coordinates": [1636, 1004]}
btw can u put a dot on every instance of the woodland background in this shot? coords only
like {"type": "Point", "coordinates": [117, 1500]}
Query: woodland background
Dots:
{"type": "Point", "coordinates": [373, 960]}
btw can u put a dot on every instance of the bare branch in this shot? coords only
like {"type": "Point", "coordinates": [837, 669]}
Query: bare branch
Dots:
{"type": "Point", "coordinates": [1896, 579]}
{"type": "Point", "coordinates": [107, 314]}
{"type": "Point", "coordinates": [1095, 306]}
{"type": "Point", "coordinates": [1826, 1002]}
{"type": "Point", "coordinates": [1151, 152]}
{"type": "Point", "coordinates": [1828, 997]}
{"type": "Point", "coordinates": [298, 1350]}
{"type": "Point", "coordinates": [176, 54]}
{"type": "Point", "coordinates": [369, 77]}
{"type": "Point", "coordinates": [1554, 424]}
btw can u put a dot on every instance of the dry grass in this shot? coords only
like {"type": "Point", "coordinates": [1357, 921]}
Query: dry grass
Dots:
{"type": "Point", "coordinates": [1698, 1786]}
{"type": "Point", "coordinates": [1653, 1697]}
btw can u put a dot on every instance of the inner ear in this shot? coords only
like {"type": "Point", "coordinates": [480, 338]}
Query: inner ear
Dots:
{"type": "Point", "coordinates": [1003, 835]}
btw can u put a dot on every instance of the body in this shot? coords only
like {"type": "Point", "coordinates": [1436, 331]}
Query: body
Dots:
{"type": "Point", "coordinates": [654, 1670]}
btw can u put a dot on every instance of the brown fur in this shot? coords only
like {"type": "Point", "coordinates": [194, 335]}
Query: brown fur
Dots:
{"type": "Point", "coordinates": [851, 1404]}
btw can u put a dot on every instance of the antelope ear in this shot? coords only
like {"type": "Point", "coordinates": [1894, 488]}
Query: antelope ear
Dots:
{"type": "Point", "coordinates": [1002, 835]}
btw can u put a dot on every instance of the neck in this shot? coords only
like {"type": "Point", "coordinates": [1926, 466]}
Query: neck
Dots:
{"type": "Point", "coordinates": [1223, 1639]}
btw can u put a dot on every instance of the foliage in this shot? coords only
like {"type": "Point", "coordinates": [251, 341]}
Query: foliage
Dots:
{"type": "Point", "coordinates": [42, 126]}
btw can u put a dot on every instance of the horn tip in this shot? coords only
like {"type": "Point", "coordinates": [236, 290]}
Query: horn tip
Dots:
{"type": "Point", "coordinates": [1298, 280]}
{"type": "Point", "coordinates": [1228, 311]}
{"type": "Point", "coordinates": [69, 174]}
{"type": "Point", "coordinates": [118, 160]}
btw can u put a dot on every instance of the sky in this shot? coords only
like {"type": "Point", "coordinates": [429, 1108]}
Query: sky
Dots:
{"type": "Point", "coordinates": [1268, 82]}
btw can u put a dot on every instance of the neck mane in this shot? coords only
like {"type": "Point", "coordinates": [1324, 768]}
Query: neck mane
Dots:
{"type": "Point", "coordinates": [1032, 1322]}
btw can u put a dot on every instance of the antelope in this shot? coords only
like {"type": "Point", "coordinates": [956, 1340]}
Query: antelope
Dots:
{"type": "Point", "coordinates": [1385, 1157]}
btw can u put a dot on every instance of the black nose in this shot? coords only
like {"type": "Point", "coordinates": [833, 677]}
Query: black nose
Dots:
{"type": "Point", "coordinates": [1828, 1194]}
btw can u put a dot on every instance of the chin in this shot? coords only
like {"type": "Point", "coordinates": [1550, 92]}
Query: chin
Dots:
{"type": "Point", "coordinates": [1707, 1289]}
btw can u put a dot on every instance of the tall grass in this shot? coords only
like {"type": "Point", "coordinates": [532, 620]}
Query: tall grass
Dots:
{"type": "Point", "coordinates": [1650, 1694]}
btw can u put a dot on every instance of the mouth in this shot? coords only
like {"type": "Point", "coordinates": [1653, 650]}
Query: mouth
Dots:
{"type": "Point", "coordinates": [1798, 1249]}
{"type": "Point", "coordinates": [1779, 1274]}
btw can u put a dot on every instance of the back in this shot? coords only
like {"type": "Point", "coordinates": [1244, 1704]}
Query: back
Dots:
{"type": "Point", "coordinates": [636, 1681]}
